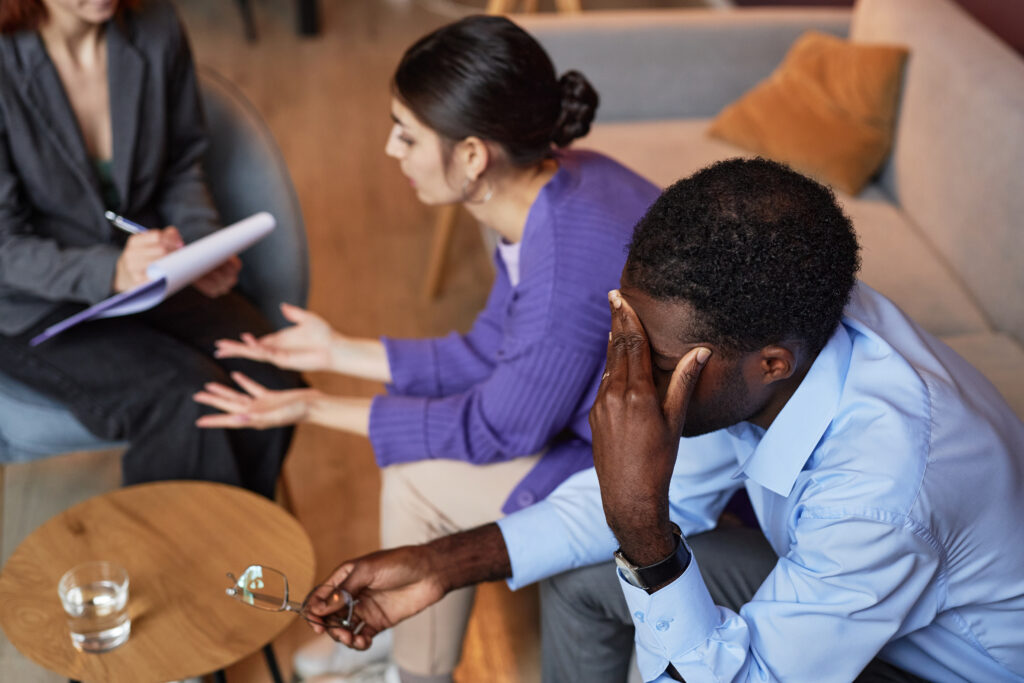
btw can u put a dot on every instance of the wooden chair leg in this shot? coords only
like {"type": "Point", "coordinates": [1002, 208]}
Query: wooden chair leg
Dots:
{"type": "Point", "coordinates": [248, 21]}
{"type": "Point", "coordinates": [499, 6]}
{"type": "Point", "coordinates": [443, 228]}
{"type": "Point", "coordinates": [569, 6]}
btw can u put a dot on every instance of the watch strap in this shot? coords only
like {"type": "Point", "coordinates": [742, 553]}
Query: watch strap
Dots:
{"type": "Point", "coordinates": [665, 570]}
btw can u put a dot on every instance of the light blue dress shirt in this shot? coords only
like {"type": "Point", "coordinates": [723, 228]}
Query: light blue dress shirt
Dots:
{"type": "Point", "coordinates": [891, 486]}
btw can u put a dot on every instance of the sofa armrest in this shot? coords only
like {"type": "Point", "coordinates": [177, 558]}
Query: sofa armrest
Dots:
{"type": "Point", "coordinates": [663, 64]}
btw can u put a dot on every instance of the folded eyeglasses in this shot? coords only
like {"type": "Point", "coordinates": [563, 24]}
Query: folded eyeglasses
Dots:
{"type": "Point", "coordinates": [266, 589]}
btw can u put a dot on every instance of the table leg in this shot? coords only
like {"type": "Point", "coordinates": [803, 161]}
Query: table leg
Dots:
{"type": "Point", "coordinates": [268, 652]}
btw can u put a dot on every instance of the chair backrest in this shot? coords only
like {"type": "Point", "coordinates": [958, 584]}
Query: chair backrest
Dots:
{"type": "Point", "coordinates": [246, 174]}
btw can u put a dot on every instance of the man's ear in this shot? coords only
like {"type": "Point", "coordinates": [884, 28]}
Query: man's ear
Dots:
{"type": "Point", "coordinates": [475, 156]}
{"type": "Point", "coordinates": [777, 362]}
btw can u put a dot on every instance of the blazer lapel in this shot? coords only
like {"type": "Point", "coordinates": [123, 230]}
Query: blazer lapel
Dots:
{"type": "Point", "coordinates": [126, 71]}
{"type": "Point", "coordinates": [43, 91]}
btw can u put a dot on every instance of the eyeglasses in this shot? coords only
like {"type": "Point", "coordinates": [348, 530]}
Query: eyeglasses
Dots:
{"type": "Point", "coordinates": [266, 588]}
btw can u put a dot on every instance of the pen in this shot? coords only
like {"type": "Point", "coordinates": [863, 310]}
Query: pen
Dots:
{"type": "Point", "coordinates": [123, 223]}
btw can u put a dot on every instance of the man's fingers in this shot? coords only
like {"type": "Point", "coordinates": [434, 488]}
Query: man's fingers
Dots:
{"type": "Point", "coordinates": [632, 337]}
{"type": "Point", "coordinates": [319, 599]}
{"type": "Point", "coordinates": [680, 387]}
{"type": "Point", "coordinates": [615, 366]}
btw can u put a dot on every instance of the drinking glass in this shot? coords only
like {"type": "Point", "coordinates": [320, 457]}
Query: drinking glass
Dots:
{"type": "Point", "coordinates": [95, 599]}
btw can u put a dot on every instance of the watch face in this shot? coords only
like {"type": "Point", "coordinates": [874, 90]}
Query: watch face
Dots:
{"type": "Point", "coordinates": [628, 570]}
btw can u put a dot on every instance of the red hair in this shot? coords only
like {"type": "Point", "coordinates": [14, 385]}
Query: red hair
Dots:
{"type": "Point", "coordinates": [26, 15]}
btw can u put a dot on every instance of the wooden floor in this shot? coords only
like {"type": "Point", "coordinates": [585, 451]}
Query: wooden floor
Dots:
{"type": "Point", "coordinates": [326, 101]}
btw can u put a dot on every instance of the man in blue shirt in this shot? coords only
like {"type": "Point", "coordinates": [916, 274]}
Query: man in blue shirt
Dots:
{"type": "Point", "coordinates": [886, 473]}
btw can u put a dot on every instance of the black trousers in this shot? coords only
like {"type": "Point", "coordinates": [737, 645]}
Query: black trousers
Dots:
{"type": "Point", "coordinates": [132, 378]}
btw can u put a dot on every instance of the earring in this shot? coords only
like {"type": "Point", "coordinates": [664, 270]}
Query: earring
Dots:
{"type": "Point", "coordinates": [465, 193]}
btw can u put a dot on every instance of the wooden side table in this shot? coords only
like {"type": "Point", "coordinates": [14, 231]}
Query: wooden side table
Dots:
{"type": "Point", "coordinates": [177, 540]}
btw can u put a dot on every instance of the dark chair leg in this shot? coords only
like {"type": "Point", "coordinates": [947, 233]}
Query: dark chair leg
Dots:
{"type": "Point", "coordinates": [248, 21]}
{"type": "Point", "coordinates": [275, 673]}
{"type": "Point", "coordinates": [309, 17]}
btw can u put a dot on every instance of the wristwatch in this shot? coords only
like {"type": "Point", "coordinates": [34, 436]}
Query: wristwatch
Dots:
{"type": "Point", "coordinates": [660, 572]}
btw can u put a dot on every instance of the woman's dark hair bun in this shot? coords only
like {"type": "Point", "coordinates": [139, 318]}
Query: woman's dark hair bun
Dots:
{"type": "Point", "coordinates": [579, 103]}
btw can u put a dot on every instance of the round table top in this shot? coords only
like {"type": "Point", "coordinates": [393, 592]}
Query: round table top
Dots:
{"type": "Point", "coordinates": [177, 540]}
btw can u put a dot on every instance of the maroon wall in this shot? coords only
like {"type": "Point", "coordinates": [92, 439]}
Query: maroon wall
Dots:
{"type": "Point", "coordinates": [1005, 18]}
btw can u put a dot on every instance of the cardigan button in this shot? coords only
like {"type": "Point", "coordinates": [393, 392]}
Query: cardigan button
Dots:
{"type": "Point", "coordinates": [639, 616]}
{"type": "Point", "coordinates": [526, 498]}
{"type": "Point", "coordinates": [662, 624]}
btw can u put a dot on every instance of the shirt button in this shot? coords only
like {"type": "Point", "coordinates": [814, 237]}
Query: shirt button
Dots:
{"type": "Point", "coordinates": [662, 625]}
{"type": "Point", "coordinates": [639, 616]}
{"type": "Point", "coordinates": [526, 498]}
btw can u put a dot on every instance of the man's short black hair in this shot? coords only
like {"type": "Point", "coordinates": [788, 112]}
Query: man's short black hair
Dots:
{"type": "Point", "coordinates": [762, 253]}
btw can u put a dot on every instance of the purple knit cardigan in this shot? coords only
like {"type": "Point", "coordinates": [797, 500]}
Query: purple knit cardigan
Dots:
{"type": "Point", "coordinates": [524, 377]}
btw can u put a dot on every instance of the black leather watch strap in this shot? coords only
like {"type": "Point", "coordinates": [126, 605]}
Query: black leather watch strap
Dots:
{"type": "Point", "coordinates": [663, 571]}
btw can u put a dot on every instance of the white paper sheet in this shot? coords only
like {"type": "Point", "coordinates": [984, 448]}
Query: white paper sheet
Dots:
{"type": "Point", "coordinates": [173, 272]}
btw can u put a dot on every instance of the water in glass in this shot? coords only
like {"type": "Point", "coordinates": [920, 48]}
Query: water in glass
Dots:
{"type": "Point", "coordinates": [96, 602]}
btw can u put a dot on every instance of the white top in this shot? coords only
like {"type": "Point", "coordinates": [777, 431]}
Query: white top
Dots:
{"type": "Point", "coordinates": [510, 255]}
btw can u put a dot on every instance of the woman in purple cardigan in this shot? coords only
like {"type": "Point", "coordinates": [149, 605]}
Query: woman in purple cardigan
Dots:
{"type": "Point", "coordinates": [497, 415]}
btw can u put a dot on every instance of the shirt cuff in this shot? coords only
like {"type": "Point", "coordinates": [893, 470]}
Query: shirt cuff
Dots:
{"type": "Point", "coordinates": [398, 429]}
{"type": "Point", "coordinates": [670, 622]}
{"type": "Point", "coordinates": [534, 556]}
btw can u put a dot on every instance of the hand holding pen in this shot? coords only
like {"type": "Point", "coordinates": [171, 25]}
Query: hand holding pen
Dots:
{"type": "Point", "coordinates": [147, 245]}
{"type": "Point", "coordinates": [143, 248]}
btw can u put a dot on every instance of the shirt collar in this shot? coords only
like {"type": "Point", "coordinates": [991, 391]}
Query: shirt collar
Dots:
{"type": "Point", "coordinates": [791, 438]}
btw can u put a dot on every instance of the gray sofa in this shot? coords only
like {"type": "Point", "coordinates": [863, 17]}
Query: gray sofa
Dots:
{"type": "Point", "coordinates": [941, 227]}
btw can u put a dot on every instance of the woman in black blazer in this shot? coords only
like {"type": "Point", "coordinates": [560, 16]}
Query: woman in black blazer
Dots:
{"type": "Point", "coordinates": [99, 110]}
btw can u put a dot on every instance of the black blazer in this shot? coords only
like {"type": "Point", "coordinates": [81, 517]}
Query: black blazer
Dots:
{"type": "Point", "coordinates": [55, 244]}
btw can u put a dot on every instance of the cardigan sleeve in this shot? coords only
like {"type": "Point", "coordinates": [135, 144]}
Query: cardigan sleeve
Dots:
{"type": "Point", "coordinates": [515, 411]}
{"type": "Point", "coordinates": [448, 365]}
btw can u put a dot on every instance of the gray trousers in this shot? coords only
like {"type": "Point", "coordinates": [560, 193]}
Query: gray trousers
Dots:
{"type": "Point", "coordinates": [587, 632]}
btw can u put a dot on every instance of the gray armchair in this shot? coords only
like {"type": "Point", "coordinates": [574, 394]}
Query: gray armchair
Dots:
{"type": "Point", "coordinates": [246, 173]}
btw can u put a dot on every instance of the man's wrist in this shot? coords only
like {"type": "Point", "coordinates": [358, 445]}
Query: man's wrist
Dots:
{"type": "Point", "coordinates": [654, 575]}
{"type": "Point", "coordinates": [471, 557]}
{"type": "Point", "coordinates": [644, 532]}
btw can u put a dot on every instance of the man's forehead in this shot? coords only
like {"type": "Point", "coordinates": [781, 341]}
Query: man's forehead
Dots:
{"type": "Point", "coordinates": [669, 323]}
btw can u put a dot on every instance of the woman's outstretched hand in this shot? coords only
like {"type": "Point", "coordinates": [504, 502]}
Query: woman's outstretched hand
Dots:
{"type": "Point", "coordinates": [306, 345]}
{"type": "Point", "coordinates": [257, 408]}
{"type": "Point", "coordinates": [311, 344]}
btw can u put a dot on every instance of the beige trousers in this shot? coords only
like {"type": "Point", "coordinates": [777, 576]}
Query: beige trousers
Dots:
{"type": "Point", "coordinates": [421, 501]}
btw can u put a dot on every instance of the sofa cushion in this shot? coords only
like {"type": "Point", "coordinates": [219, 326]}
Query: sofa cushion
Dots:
{"type": "Point", "coordinates": [827, 110]}
{"type": "Point", "coordinates": [999, 358]}
{"type": "Point", "coordinates": [897, 261]}
{"type": "Point", "coordinates": [958, 152]}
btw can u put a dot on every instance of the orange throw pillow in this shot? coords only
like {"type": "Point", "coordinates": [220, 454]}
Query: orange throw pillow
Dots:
{"type": "Point", "coordinates": [827, 110]}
